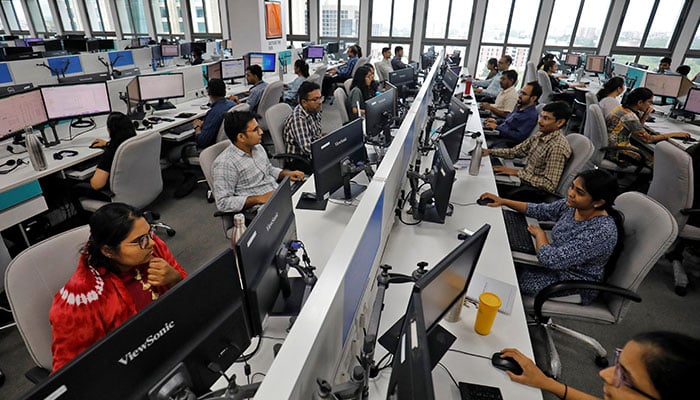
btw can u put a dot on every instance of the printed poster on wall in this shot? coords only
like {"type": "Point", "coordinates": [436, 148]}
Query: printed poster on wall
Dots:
{"type": "Point", "coordinates": [273, 20]}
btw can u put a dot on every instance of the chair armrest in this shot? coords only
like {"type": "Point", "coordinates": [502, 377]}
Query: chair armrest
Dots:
{"type": "Point", "coordinates": [224, 213]}
{"type": "Point", "coordinates": [618, 149]}
{"type": "Point", "coordinates": [690, 211]}
{"type": "Point", "coordinates": [37, 374]}
{"type": "Point", "coordinates": [297, 157]}
{"type": "Point", "coordinates": [556, 288]}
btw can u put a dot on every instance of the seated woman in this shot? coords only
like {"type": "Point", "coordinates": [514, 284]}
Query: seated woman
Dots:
{"type": "Point", "coordinates": [628, 120]}
{"type": "Point", "coordinates": [654, 365]}
{"type": "Point", "coordinates": [558, 87]}
{"type": "Point", "coordinates": [119, 128]}
{"type": "Point", "coordinates": [360, 91]}
{"type": "Point", "coordinates": [301, 69]}
{"type": "Point", "coordinates": [123, 268]}
{"type": "Point", "coordinates": [492, 67]}
{"type": "Point", "coordinates": [586, 237]}
{"type": "Point", "coordinates": [608, 94]}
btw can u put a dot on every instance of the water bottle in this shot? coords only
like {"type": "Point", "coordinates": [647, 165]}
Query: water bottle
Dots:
{"type": "Point", "coordinates": [34, 149]}
{"type": "Point", "coordinates": [467, 85]}
{"type": "Point", "coordinates": [238, 228]}
{"type": "Point", "coordinates": [476, 159]}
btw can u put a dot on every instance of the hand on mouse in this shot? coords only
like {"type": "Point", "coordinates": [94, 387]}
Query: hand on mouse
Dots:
{"type": "Point", "coordinates": [98, 143]}
{"type": "Point", "coordinates": [497, 201]}
{"type": "Point", "coordinates": [531, 376]}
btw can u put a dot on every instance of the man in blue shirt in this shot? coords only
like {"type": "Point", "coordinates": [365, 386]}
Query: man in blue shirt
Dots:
{"type": "Point", "coordinates": [397, 62]}
{"type": "Point", "coordinates": [519, 124]}
{"type": "Point", "coordinates": [342, 73]}
{"type": "Point", "coordinates": [205, 131]}
{"type": "Point", "coordinates": [487, 90]}
{"type": "Point", "coordinates": [254, 75]}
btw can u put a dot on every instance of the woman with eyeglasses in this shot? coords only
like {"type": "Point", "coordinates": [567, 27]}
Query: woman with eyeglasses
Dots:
{"type": "Point", "coordinates": [654, 365]}
{"type": "Point", "coordinates": [361, 91]}
{"type": "Point", "coordinates": [123, 268]}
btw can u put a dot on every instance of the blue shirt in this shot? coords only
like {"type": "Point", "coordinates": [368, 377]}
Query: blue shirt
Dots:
{"type": "Point", "coordinates": [293, 88]}
{"type": "Point", "coordinates": [255, 95]}
{"type": "Point", "coordinates": [518, 125]}
{"type": "Point", "coordinates": [212, 123]}
{"type": "Point", "coordinates": [345, 71]}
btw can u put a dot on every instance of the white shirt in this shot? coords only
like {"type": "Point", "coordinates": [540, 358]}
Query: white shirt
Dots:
{"type": "Point", "coordinates": [607, 104]}
{"type": "Point", "coordinates": [507, 99]}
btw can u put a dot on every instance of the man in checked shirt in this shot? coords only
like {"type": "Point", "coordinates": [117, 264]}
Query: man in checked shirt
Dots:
{"type": "Point", "coordinates": [303, 125]}
{"type": "Point", "coordinates": [547, 152]}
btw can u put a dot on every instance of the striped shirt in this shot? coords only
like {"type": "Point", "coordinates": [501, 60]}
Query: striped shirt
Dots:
{"type": "Point", "coordinates": [546, 157]}
{"type": "Point", "coordinates": [300, 129]}
{"type": "Point", "coordinates": [238, 175]}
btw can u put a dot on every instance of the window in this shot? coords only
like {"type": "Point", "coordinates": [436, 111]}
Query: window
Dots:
{"type": "Point", "coordinates": [15, 16]}
{"type": "Point", "coordinates": [70, 15]}
{"type": "Point", "coordinates": [658, 24]}
{"type": "Point", "coordinates": [576, 26]}
{"type": "Point", "coordinates": [447, 26]}
{"type": "Point", "coordinates": [390, 20]}
{"type": "Point", "coordinates": [169, 18]}
{"type": "Point", "coordinates": [40, 13]}
{"type": "Point", "coordinates": [695, 45]}
{"type": "Point", "coordinates": [132, 17]}
{"type": "Point", "coordinates": [298, 21]}
{"type": "Point", "coordinates": [205, 17]}
{"type": "Point", "coordinates": [339, 18]}
{"type": "Point", "coordinates": [100, 15]}
{"type": "Point", "coordinates": [508, 29]}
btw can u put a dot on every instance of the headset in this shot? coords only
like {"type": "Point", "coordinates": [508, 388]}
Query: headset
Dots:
{"type": "Point", "coordinates": [13, 164]}
{"type": "Point", "coordinates": [143, 125]}
{"type": "Point", "coordinates": [64, 153]}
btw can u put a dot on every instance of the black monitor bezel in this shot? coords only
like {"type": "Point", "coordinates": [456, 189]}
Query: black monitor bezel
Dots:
{"type": "Point", "coordinates": [89, 114]}
{"type": "Point", "coordinates": [374, 110]}
{"type": "Point", "coordinates": [182, 76]}
{"type": "Point", "coordinates": [441, 182]}
{"type": "Point", "coordinates": [229, 60]}
{"type": "Point", "coordinates": [447, 83]}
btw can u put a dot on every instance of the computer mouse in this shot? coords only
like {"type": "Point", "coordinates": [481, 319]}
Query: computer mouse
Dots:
{"type": "Point", "coordinates": [484, 201]}
{"type": "Point", "coordinates": [506, 364]}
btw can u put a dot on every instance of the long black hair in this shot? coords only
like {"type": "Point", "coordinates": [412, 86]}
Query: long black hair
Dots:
{"type": "Point", "coordinates": [303, 67]}
{"type": "Point", "coordinates": [637, 95]}
{"type": "Point", "coordinates": [109, 226]}
{"type": "Point", "coordinates": [672, 361]}
{"type": "Point", "coordinates": [610, 86]}
{"type": "Point", "coordinates": [601, 185]}
{"type": "Point", "coordinates": [358, 80]}
{"type": "Point", "coordinates": [120, 128]}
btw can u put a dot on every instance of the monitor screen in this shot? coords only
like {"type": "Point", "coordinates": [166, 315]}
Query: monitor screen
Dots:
{"type": "Point", "coordinates": [106, 44]}
{"type": "Point", "coordinates": [313, 52]}
{"type": "Point", "coordinates": [121, 58]}
{"type": "Point", "coordinates": [132, 90]}
{"type": "Point", "coordinates": [453, 139]}
{"type": "Point", "coordinates": [65, 65]}
{"type": "Point", "coordinates": [457, 114]}
{"type": "Point", "coordinates": [232, 69]}
{"type": "Point", "coordinates": [161, 86]}
{"type": "Point", "coordinates": [201, 46]}
{"type": "Point", "coordinates": [450, 80]}
{"type": "Point", "coordinates": [155, 52]}
{"type": "Point", "coordinates": [53, 45]}
{"type": "Point", "coordinates": [75, 45]}
{"type": "Point", "coordinates": [595, 63]}
{"type": "Point", "coordinates": [185, 325]}
{"type": "Point", "coordinates": [402, 77]}
{"type": "Point", "coordinates": [186, 49]}
{"type": "Point", "coordinates": [664, 85]}
{"type": "Point", "coordinates": [379, 113]}
{"type": "Point", "coordinates": [571, 60]}
{"type": "Point", "coordinates": [169, 50]}
{"type": "Point", "coordinates": [20, 110]}
{"type": "Point", "coordinates": [333, 47]}
{"type": "Point", "coordinates": [214, 71]}
{"type": "Point", "coordinates": [264, 60]}
{"type": "Point", "coordinates": [257, 251]}
{"type": "Point", "coordinates": [330, 151]}
{"type": "Point", "coordinates": [68, 101]}
{"type": "Point", "coordinates": [692, 102]}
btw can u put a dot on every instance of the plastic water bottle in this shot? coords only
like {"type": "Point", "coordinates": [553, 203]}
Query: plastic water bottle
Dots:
{"type": "Point", "coordinates": [238, 228]}
{"type": "Point", "coordinates": [476, 159]}
{"type": "Point", "coordinates": [34, 149]}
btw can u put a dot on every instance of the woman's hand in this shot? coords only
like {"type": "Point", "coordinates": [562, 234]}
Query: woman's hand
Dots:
{"type": "Point", "coordinates": [531, 376]}
{"type": "Point", "coordinates": [99, 143]}
{"type": "Point", "coordinates": [160, 273]}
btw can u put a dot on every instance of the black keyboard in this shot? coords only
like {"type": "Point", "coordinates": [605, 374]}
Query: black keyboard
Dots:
{"type": "Point", "coordinates": [519, 238]}
{"type": "Point", "coordinates": [472, 391]}
{"type": "Point", "coordinates": [180, 129]}
{"type": "Point", "coordinates": [296, 185]}
{"type": "Point", "coordinates": [185, 115]}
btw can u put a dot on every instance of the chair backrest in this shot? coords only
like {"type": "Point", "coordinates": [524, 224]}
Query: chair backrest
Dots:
{"type": "Point", "coordinates": [321, 70]}
{"type": "Point", "coordinates": [4, 262]}
{"type": "Point", "coordinates": [221, 136]}
{"type": "Point", "coordinates": [596, 131]}
{"type": "Point", "coordinates": [378, 75]}
{"type": "Point", "coordinates": [347, 85]}
{"type": "Point", "coordinates": [207, 157]}
{"type": "Point", "coordinates": [340, 99]}
{"type": "Point", "coordinates": [672, 184]}
{"type": "Point", "coordinates": [581, 151]}
{"type": "Point", "coordinates": [271, 96]}
{"type": "Point", "coordinates": [530, 73]}
{"type": "Point", "coordinates": [546, 84]}
{"type": "Point", "coordinates": [361, 61]}
{"type": "Point", "coordinates": [591, 98]}
{"type": "Point", "coordinates": [276, 116]}
{"type": "Point", "coordinates": [135, 177]}
{"type": "Point", "coordinates": [33, 278]}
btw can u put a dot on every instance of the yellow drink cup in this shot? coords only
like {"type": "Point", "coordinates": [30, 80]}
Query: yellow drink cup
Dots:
{"type": "Point", "coordinates": [488, 307]}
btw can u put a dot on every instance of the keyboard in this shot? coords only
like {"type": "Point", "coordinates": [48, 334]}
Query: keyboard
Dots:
{"type": "Point", "coordinates": [82, 170]}
{"type": "Point", "coordinates": [519, 238]}
{"type": "Point", "coordinates": [472, 391]}
{"type": "Point", "coordinates": [296, 185]}
{"type": "Point", "coordinates": [185, 115]}
{"type": "Point", "coordinates": [180, 129]}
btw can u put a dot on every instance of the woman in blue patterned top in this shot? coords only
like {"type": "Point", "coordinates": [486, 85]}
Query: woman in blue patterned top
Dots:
{"type": "Point", "coordinates": [585, 236]}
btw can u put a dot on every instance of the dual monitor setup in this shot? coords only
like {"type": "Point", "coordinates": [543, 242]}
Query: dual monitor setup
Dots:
{"type": "Point", "coordinates": [232, 69]}
{"type": "Point", "coordinates": [183, 342]}
{"type": "Point", "coordinates": [312, 52]}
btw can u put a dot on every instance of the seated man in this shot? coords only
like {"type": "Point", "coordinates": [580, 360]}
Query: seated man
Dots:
{"type": "Point", "coordinates": [342, 73]}
{"type": "Point", "coordinates": [488, 89]}
{"type": "Point", "coordinates": [665, 66]}
{"type": "Point", "coordinates": [243, 175]}
{"type": "Point", "coordinates": [384, 67]}
{"type": "Point", "coordinates": [547, 152]}
{"type": "Point", "coordinates": [507, 98]}
{"type": "Point", "coordinates": [205, 131]}
{"type": "Point", "coordinates": [397, 62]}
{"type": "Point", "coordinates": [303, 125]}
{"type": "Point", "coordinates": [254, 75]}
{"type": "Point", "coordinates": [519, 124]}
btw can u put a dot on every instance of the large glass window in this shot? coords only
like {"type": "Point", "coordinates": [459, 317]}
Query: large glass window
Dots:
{"type": "Point", "coordinates": [70, 15]}
{"type": "Point", "coordinates": [339, 18]}
{"type": "Point", "coordinates": [168, 17]}
{"type": "Point", "coordinates": [576, 25]}
{"type": "Point", "coordinates": [100, 15]}
{"type": "Point", "coordinates": [447, 25]}
{"type": "Point", "coordinates": [40, 13]}
{"type": "Point", "coordinates": [205, 17]}
{"type": "Point", "coordinates": [650, 24]}
{"type": "Point", "coordinates": [591, 23]}
{"type": "Point", "coordinates": [390, 19]}
{"type": "Point", "coordinates": [298, 18]}
{"type": "Point", "coordinates": [15, 15]}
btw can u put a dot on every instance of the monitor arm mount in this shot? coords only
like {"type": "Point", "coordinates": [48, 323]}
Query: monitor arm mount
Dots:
{"type": "Point", "coordinates": [286, 258]}
{"type": "Point", "coordinates": [358, 385]}
{"type": "Point", "coordinates": [427, 143]}
{"type": "Point", "coordinates": [53, 71]}
{"type": "Point", "coordinates": [348, 170]}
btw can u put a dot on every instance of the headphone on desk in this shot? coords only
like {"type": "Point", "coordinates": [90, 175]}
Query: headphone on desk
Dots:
{"type": "Point", "coordinates": [64, 153]}
{"type": "Point", "coordinates": [13, 164]}
{"type": "Point", "coordinates": [143, 125]}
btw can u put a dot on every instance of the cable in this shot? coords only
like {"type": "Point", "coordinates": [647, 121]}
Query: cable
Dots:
{"type": "Point", "coordinates": [273, 338]}
{"type": "Point", "coordinates": [449, 373]}
{"type": "Point", "coordinates": [470, 354]}
{"type": "Point", "coordinates": [252, 378]}
{"type": "Point", "coordinates": [245, 357]}
{"type": "Point", "coordinates": [462, 204]}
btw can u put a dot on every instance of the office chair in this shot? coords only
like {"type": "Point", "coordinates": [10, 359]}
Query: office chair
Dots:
{"type": "Point", "coordinates": [591, 98]}
{"type": "Point", "coordinates": [673, 186]}
{"type": "Point", "coordinates": [341, 99]}
{"type": "Point", "coordinates": [530, 73]}
{"type": "Point", "coordinates": [347, 85]}
{"type": "Point", "coordinates": [271, 96]}
{"type": "Point", "coordinates": [360, 61]}
{"type": "Point", "coordinates": [32, 279]}
{"type": "Point", "coordinates": [135, 177]}
{"type": "Point", "coordinates": [649, 231]}
{"type": "Point", "coordinates": [581, 151]}
{"type": "Point", "coordinates": [577, 121]}
{"type": "Point", "coordinates": [546, 84]}
{"type": "Point", "coordinates": [276, 116]}
{"type": "Point", "coordinates": [321, 72]}
{"type": "Point", "coordinates": [378, 73]}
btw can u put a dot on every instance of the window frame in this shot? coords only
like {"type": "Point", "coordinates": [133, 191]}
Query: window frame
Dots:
{"type": "Point", "coordinates": [132, 20]}
{"type": "Point", "coordinates": [207, 34]}
{"type": "Point", "coordinates": [391, 39]}
{"type": "Point", "coordinates": [578, 49]}
{"type": "Point", "coordinates": [101, 13]}
{"type": "Point", "coordinates": [338, 37]}
{"type": "Point", "coordinates": [157, 21]}
{"type": "Point", "coordinates": [8, 29]}
{"type": "Point", "coordinates": [300, 38]}
{"type": "Point", "coordinates": [66, 30]}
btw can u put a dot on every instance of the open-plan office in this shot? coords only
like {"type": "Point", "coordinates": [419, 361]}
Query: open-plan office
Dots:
{"type": "Point", "coordinates": [366, 320]}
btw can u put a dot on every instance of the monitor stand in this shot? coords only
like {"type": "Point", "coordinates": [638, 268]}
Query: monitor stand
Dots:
{"type": "Point", "coordinates": [163, 105]}
{"type": "Point", "coordinates": [349, 191]}
{"type": "Point", "coordinates": [439, 341]}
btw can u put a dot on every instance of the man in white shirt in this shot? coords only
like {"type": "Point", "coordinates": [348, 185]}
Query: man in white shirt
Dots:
{"type": "Point", "coordinates": [507, 98]}
{"type": "Point", "coordinates": [383, 68]}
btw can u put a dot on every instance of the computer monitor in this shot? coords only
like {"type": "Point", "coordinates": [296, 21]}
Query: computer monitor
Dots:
{"type": "Point", "coordinates": [106, 44]}
{"type": "Point", "coordinates": [572, 60]}
{"type": "Point", "coordinates": [65, 65]}
{"type": "Point", "coordinates": [692, 101]}
{"type": "Point", "coordinates": [257, 250]}
{"type": "Point", "coordinates": [20, 43]}
{"type": "Point", "coordinates": [93, 45]}
{"type": "Point", "coordinates": [453, 139]}
{"type": "Point", "coordinates": [157, 87]}
{"type": "Point", "coordinates": [313, 52]}
{"type": "Point", "coordinates": [20, 110]}
{"type": "Point", "coordinates": [186, 327]}
{"type": "Point", "coordinates": [379, 116]}
{"type": "Point", "coordinates": [213, 71]}
{"type": "Point", "coordinates": [405, 77]}
{"type": "Point", "coordinates": [233, 69]}
{"type": "Point", "coordinates": [121, 58]}
{"type": "Point", "coordinates": [155, 52]}
{"type": "Point", "coordinates": [265, 60]}
{"type": "Point", "coordinates": [33, 42]}
{"type": "Point", "coordinates": [186, 49]}
{"type": "Point", "coordinates": [664, 85]}
{"type": "Point", "coordinates": [53, 45]}
{"type": "Point", "coordinates": [332, 47]}
{"type": "Point", "coordinates": [335, 158]}
{"type": "Point", "coordinates": [595, 63]}
{"type": "Point", "coordinates": [74, 45]}
{"type": "Point", "coordinates": [169, 50]}
{"type": "Point", "coordinates": [201, 46]}
{"type": "Point", "coordinates": [14, 89]}
{"type": "Point", "coordinates": [87, 99]}
{"type": "Point", "coordinates": [85, 78]}
{"type": "Point", "coordinates": [434, 204]}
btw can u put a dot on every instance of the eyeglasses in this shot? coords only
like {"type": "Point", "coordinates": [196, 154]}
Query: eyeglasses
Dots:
{"type": "Point", "coordinates": [622, 377]}
{"type": "Point", "coordinates": [143, 240]}
{"type": "Point", "coordinates": [318, 99]}
{"type": "Point", "coordinates": [257, 128]}
{"type": "Point", "coordinates": [524, 93]}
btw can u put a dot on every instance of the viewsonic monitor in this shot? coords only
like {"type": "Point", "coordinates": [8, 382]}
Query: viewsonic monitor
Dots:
{"type": "Point", "coordinates": [20, 110]}
{"type": "Point", "coordinates": [595, 64]}
{"type": "Point", "coordinates": [379, 116]}
{"type": "Point", "coordinates": [692, 102]}
{"type": "Point", "coordinates": [86, 99]}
